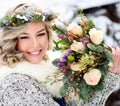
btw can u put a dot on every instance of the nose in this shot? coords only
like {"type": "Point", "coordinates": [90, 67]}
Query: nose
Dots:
{"type": "Point", "coordinates": [35, 43]}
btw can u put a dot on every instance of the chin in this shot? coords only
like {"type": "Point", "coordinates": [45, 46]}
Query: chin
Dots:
{"type": "Point", "coordinates": [35, 62]}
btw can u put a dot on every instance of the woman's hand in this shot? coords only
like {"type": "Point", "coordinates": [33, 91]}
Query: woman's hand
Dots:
{"type": "Point", "coordinates": [116, 60]}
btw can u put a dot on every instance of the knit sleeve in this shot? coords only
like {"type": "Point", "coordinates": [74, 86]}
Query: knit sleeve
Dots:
{"type": "Point", "coordinates": [21, 90]}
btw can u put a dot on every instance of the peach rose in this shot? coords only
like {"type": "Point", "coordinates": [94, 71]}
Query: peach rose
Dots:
{"type": "Point", "coordinates": [74, 29]}
{"type": "Point", "coordinates": [96, 36]}
{"type": "Point", "coordinates": [78, 47]}
{"type": "Point", "coordinates": [92, 77]}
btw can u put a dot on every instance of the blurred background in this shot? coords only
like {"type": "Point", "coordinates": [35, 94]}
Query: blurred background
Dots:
{"type": "Point", "coordinates": [105, 13]}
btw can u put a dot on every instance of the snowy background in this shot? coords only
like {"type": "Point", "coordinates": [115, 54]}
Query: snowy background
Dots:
{"type": "Point", "coordinates": [105, 13]}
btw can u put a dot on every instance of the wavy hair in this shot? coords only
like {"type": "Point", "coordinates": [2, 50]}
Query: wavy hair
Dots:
{"type": "Point", "coordinates": [9, 35]}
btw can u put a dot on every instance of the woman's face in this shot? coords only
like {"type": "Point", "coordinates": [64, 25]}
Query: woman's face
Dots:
{"type": "Point", "coordinates": [33, 42]}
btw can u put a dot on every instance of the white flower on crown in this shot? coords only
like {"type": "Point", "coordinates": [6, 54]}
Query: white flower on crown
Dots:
{"type": "Point", "coordinates": [21, 17]}
{"type": "Point", "coordinates": [43, 18]}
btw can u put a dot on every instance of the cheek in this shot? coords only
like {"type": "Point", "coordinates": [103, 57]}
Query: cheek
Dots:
{"type": "Point", "coordinates": [21, 46]}
{"type": "Point", "coordinates": [44, 43]}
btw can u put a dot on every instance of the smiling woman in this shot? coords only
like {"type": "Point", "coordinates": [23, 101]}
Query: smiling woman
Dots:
{"type": "Point", "coordinates": [24, 41]}
{"type": "Point", "coordinates": [24, 26]}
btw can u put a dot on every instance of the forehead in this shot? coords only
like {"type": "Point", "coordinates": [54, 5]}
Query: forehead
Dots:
{"type": "Point", "coordinates": [34, 26]}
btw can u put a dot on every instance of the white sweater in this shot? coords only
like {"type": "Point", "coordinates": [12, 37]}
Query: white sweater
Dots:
{"type": "Point", "coordinates": [36, 71]}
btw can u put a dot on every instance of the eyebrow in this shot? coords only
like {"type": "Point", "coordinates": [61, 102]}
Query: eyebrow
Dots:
{"type": "Point", "coordinates": [41, 30]}
{"type": "Point", "coordinates": [36, 33]}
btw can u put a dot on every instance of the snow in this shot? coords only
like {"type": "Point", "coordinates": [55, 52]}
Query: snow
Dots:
{"type": "Point", "coordinates": [67, 8]}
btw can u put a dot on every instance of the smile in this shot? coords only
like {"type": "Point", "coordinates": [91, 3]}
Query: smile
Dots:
{"type": "Point", "coordinates": [35, 53]}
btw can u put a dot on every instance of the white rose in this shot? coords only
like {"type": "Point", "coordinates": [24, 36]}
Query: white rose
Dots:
{"type": "Point", "coordinates": [92, 77]}
{"type": "Point", "coordinates": [96, 36]}
{"type": "Point", "coordinates": [74, 29]}
{"type": "Point", "coordinates": [78, 47]}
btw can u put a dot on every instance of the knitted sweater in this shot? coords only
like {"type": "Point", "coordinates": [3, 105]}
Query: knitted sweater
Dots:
{"type": "Point", "coordinates": [24, 85]}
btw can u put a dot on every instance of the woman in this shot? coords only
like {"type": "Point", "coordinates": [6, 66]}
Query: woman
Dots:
{"type": "Point", "coordinates": [25, 39]}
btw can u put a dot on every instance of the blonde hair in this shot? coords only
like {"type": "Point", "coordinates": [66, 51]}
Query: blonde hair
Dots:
{"type": "Point", "coordinates": [8, 38]}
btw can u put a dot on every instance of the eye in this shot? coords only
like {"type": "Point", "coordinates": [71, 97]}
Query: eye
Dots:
{"type": "Point", "coordinates": [24, 37]}
{"type": "Point", "coordinates": [41, 34]}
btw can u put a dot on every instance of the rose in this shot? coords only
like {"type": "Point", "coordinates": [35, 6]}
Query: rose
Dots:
{"type": "Point", "coordinates": [96, 36]}
{"type": "Point", "coordinates": [92, 77]}
{"type": "Point", "coordinates": [74, 29]}
{"type": "Point", "coordinates": [77, 46]}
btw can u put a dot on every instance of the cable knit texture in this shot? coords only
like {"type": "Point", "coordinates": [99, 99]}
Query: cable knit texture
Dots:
{"type": "Point", "coordinates": [21, 90]}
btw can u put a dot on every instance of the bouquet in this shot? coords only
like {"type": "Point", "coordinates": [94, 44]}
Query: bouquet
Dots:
{"type": "Point", "coordinates": [84, 61]}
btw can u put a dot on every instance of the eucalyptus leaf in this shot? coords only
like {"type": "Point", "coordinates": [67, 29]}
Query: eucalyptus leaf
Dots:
{"type": "Point", "coordinates": [85, 90]}
{"type": "Point", "coordinates": [108, 55]}
{"type": "Point", "coordinates": [55, 62]}
{"type": "Point", "coordinates": [63, 90]}
{"type": "Point", "coordinates": [95, 48]}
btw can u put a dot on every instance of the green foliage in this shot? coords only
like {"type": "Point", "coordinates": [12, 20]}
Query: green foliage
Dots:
{"type": "Point", "coordinates": [95, 48]}
{"type": "Point", "coordinates": [55, 62]}
{"type": "Point", "coordinates": [90, 24]}
{"type": "Point", "coordinates": [85, 90]}
{"type": "Point", "coordinates": [63, 42]}
{"type": "Point", "coordinates": [63, 90]}
{"type": "Point", "coordinates": [108, 55]}
{"type": "Point", "coordinates": [37, 17]}
{"type": "Point", "coordinates": [58, 29]}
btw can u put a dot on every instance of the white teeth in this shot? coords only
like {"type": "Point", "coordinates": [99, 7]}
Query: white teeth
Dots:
{"type": "Point", "coordinates": [34, 53]}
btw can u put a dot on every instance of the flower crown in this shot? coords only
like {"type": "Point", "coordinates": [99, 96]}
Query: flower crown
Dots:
{"type": "Point", "coordinates": [20, 18]}
{"type": "Point", "coordinates": [84, 61]}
